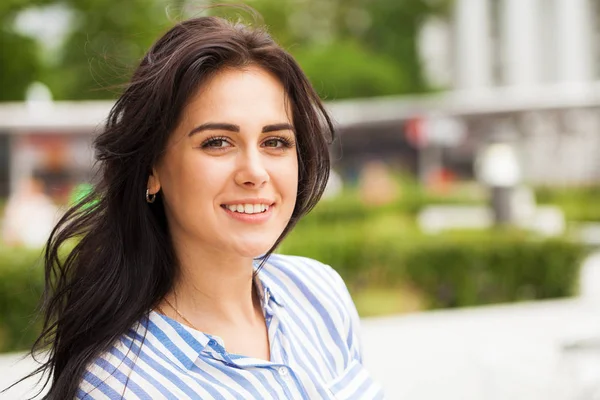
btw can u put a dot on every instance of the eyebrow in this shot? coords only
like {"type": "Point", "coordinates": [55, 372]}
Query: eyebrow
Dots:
{"type": "Point", "coordinates": [222, 126]}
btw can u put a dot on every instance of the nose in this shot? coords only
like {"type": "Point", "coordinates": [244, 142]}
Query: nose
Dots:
{"type": "Point", "coordinates": [251, 172]}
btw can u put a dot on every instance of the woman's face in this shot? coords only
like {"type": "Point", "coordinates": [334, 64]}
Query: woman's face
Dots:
{"type": "Point", "coordinates": [229, 177]}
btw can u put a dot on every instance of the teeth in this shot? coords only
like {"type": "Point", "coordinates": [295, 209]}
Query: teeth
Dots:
{"type": "Point", "coordinates": [248, 208]}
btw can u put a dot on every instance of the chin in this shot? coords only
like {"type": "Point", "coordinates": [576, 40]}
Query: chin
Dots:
{"type": "Point", "coordinates": [254, 250]}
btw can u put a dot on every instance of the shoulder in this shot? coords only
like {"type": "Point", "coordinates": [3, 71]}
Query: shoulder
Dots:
{"type": "Point", "coordinates": [123, 371]}
{"type": "Point", "coordinates": [315, 289]}
{"type": "Point", "coordinates": [106, 375]}
{"type": "Point", "coordinates": [304, 271]}
{"type": "Point", "coordinates": [308, 285]}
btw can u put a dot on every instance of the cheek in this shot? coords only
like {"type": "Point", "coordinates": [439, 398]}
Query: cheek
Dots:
{"type": "Point", "coordinates": [183, 179]}
{"type": "Point", "coordinates": [202, 177]}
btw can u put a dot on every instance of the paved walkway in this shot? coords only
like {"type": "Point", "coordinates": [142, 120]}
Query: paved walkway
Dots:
{"type": "Point", "coordinates": [491, 353]}
{"type": "Point", "coordinates": [13, 368]}
{"type": "Point", "coordinates": [546, 350]}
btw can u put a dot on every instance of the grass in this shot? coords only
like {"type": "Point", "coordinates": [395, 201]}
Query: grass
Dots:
{"type": "Point", "coordinates": [378, 301]}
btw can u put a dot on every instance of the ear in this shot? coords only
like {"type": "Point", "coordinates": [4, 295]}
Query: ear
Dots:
{"type": "Point", "coordinates": [153, 182]}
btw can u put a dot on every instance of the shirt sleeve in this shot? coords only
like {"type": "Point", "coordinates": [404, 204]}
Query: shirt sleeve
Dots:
{"type": "Point", "coordinates": [353, 328]}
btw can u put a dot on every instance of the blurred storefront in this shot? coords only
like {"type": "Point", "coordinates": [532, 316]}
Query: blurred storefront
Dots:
{"type": "Point", "coordinates": [553, 127]}
{"type": "Point", "coordinates": [49, 144]}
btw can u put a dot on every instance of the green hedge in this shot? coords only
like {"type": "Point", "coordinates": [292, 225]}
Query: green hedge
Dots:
{"type": "Point", "coordinates": [490, 269]}
{"type": "Point", "coordinates": [21, 285]}
{"type": "Point", "coordinates": [450, 270]}
{"type": "Point", "coordinates": [578, 203]}
{"type": "Point", "coordinates": [380, 250]}
{"type": "Point", "coordinates": [412, 197]}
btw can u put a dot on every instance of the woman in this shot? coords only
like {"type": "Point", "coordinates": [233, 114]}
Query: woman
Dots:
{"type": "Point", "coordinates": [213, 152]}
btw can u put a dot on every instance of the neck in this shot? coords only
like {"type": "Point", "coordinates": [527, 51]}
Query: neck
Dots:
{"type": "Point", "coordinates": [213, 291]}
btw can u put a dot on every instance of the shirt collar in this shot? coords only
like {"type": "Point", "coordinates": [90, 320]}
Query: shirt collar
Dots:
{"type": "Point", "coordinates": [265, 285]}
{"type": "Point", "coordinates": [184, 344]}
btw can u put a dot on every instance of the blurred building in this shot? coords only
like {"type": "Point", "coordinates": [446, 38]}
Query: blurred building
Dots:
{"type": "Point", "coordinates": [524, 42]}
{"type": "Point", "coordinates": [50, 143]}
{"type": "Point", "coordinates": [526, 72]}
{"type": "Point", "coordinates": [554, 128]}
{"type": "Point", "coordinates": [533, 67]}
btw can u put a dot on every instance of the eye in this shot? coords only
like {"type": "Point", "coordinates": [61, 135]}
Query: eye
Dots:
{"type": "Point", "coordinates": [278, 143]}
{"type": "Point", "coordinates": [216, 143]}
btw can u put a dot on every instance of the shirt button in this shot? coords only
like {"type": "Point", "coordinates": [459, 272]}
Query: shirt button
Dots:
{"type": "Point", "coordinates": [212, 342]}
{"type": "Point", "coordinates": [283, 371]}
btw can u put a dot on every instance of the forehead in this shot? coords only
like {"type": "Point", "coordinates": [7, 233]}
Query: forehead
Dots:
{"type": "Point", "coordinates": [239, 95]}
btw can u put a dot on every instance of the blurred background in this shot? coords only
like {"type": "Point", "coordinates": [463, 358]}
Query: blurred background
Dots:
{"type": "Point", "coordinates": [463, 208]}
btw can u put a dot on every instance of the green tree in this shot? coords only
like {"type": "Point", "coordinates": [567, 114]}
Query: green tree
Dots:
{"type": "Point", "coordinates": [354, 48]}
{"type": "Point", "coordinates": [349, 48]}
{"type": "Point", "coordinates": [394, 31]}
{"type": "Point", "coordinates": [19, 65]}
{"type": "Point", "coordinates": [346, 69]}
{"type": "Point", "coordinates": [106, 43]}
{"type": "Point", "coordinates": [20, 61]}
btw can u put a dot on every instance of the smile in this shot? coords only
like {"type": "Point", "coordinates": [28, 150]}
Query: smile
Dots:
{"type": "Point", "coordinates": [249, 213]}
{"type": "Point", "coordinates": [247, 208]}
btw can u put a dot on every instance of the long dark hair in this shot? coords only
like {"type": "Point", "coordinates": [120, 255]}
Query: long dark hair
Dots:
{"type": "Point", "coordinates": [122, 261]}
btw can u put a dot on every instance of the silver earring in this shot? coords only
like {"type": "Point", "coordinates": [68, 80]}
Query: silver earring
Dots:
{"type": "Point", "coordinates": [150, 197]}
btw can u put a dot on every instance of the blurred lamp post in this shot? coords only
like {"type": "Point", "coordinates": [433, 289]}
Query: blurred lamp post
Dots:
{"type": "Point", "coordinates": [38, 99]}
{"type": "Point", "coordinates": [497, 167]}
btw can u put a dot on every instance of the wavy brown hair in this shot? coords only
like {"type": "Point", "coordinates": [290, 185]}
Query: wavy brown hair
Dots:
{"type": "Point", "coordinates": [123, 262]}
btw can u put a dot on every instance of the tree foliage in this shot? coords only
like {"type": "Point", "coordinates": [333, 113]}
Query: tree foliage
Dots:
{"type": "Point", "coordinates": [354, 48]}
{"type": "Point", "coordinates": [349, 48]}
{"type": "Point", "coordinates": [346, 69]}
{"type": "Point", "coordinates": [19, 65]}
{"type": "Point", "coordinates": [20, 62]}
{"type": "Point", "coordinates": [107, 41]}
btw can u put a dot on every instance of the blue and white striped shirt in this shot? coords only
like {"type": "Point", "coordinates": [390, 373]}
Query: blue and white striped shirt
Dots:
{"type": "Point", "coordinates": [313, 333]}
